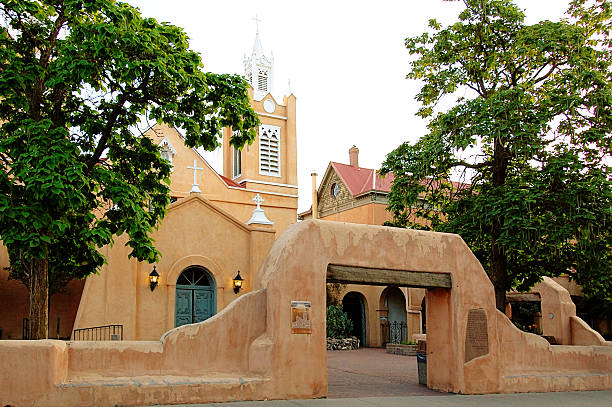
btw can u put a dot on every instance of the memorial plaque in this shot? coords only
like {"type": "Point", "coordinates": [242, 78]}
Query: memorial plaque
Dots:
{"type": "Point", "coordinates": [476, 334]}
{"type": "Point", "coordinates": [300, 317]}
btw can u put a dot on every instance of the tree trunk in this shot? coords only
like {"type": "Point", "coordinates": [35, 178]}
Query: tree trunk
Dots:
{"type": "Point", "coordinates": [39, 299]}
{"type": "Point", "coordinates": [499, 264]}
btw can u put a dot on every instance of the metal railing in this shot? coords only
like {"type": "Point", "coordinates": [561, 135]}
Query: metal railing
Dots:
{"type": "Point", "coordinates": [394, 332]}
{"type": "Point", "coordinates": [99, 333]}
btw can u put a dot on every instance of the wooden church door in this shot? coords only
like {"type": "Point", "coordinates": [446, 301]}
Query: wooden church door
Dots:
{"type": "Point", "coordinates": [195, 296]}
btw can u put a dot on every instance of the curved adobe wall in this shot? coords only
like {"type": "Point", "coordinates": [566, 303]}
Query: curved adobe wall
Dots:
{"type": "Point", "coordinates": [248, 352]}
{"type": "Point", "coordinates": [472, 347]}
{"type": "Point", "coordinates": [296, 267]}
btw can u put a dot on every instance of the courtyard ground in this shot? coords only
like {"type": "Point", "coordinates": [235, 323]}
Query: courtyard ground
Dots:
{"type": "Point", "coordinates": [371, 372]}
{"type": "Point", "coordinates": [370, 377]}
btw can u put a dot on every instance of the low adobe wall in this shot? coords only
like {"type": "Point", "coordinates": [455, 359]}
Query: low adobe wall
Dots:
{"type": "Point", "coordinates": [206, 361]}
{"type": "Point", "coordinates": [249, 351]}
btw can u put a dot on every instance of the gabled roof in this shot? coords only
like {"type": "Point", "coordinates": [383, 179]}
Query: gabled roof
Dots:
{"type": "Point", "coordinates": [360, 180]}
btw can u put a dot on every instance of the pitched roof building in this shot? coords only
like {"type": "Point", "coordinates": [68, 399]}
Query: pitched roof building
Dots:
{"type": "Point", "coordinates": [350, 193]}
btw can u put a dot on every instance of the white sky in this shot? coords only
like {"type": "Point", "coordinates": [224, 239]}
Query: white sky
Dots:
{"type": "Point", "coordinates": [346, 61]}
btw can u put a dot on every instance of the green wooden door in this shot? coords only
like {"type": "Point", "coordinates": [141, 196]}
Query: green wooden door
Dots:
{"type": "Point", "coordinates": [184, 305]}
{"type": "Point", "coordinates": [195, 296]}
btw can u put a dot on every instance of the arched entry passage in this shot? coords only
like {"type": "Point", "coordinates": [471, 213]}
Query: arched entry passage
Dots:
{"type": "Point", "coordinates": [195, 296]}
{"type": "Point", "coordinates": [395, 330]}
{"type": "Point", "coordinates": [354, 305]}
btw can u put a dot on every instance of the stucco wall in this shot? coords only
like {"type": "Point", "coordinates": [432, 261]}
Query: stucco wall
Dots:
{"type": "Point", "coordinates": [248, 351]}
{"type": "Point", "coordinates": [194, 233]}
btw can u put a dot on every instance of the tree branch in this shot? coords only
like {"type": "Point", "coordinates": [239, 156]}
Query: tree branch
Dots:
{"type": "Point", "coordinates": [106, 132]}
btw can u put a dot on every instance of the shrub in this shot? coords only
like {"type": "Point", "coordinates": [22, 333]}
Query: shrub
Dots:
{"type": "Point", "coordinates": [339, 325]}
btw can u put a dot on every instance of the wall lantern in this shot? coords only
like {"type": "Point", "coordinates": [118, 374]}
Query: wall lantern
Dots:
{"type": "Point", "coordinates": [153, 279]}
{"type": "Point", "coordinates": [237, 282]}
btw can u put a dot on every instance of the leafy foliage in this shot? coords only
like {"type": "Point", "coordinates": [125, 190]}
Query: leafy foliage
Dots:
{"type": "Point", "coordinates": [76, 77]}
{"type": "Point", "coordinates": [339, 325]}
{"type": "Point", "coordinates": [528, 136]}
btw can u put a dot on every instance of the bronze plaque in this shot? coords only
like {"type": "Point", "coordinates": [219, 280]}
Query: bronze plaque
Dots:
{"type": "Point", "coordinates": [300, 317]}
{"type": "Point", "coordinates": [476, 335]}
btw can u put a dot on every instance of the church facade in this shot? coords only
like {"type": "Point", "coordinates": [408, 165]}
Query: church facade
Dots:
{"type": "Point", "coordinates": [218, 226]}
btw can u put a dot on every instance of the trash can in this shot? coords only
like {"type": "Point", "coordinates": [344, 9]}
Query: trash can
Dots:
{"type": "Point", "coordinates": [422, 362]}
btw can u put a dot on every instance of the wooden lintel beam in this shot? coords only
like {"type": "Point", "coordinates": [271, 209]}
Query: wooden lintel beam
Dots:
{"type": "Point", "coordinates": [376, 276]}
{"type": "Point", "coordinates": [522, 297]}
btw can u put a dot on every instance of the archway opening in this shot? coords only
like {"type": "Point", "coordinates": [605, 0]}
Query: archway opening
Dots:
{"type": "Point", "coordinates": [394, 326]}
{"type": "Point", "coordinates": [195, 296]}
{"type": "Point", "coordinates": [375, 372]}
{"type": "Point", "coordinates": [353, 304]}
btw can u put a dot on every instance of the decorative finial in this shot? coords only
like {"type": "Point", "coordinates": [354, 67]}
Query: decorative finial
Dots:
{"type": "Point", "coordinates": [258, 200]}
{"type": "Point", "coordinates": [257, 20]}
{"type": "Point", "coordinates": [195, 168]}
{"type": "Point", "coordinates": [259, 217]}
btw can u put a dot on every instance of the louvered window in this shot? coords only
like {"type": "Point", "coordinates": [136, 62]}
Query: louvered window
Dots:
{"type": "Point", "coordinates": [269, 150]}
{"type": "Point", "coordinates": [262, 81]}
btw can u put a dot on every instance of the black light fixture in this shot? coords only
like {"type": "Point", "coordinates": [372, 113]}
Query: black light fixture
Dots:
{"type": "Point", "coordinates": [153, 279]}
{"type": "Point", "coordinates": [237, 282]}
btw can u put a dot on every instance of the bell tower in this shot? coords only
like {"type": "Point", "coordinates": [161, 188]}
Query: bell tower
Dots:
{"type": "Point", "coordinates": [270, 163]}
{"type": "Point", "coordinates": [258, 68]}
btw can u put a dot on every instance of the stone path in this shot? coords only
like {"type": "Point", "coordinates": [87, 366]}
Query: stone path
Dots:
{"type": "Point", "coordinates": [371, 372]}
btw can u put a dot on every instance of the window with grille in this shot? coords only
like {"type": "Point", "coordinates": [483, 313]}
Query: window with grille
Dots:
{"type": "Point", "coordinates": [262, 80]}
{"type": "Point", "coordinates": [269, 150]}
{"type": "Point", "coordinates": [237, 163]}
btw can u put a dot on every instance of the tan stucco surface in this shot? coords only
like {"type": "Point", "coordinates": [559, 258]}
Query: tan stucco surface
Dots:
{"type": "Point", "coordinates": [249, 352]}
{"type": "Point", "coordinates": [194, 233]}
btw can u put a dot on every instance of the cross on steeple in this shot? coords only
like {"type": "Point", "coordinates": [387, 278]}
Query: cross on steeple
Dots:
{"type": "Point", "coordinates": [258, 200]}
{"type": "Point", "coordinates": [257, 21]}
{"type": "Point", "coordinates": [195, 168]}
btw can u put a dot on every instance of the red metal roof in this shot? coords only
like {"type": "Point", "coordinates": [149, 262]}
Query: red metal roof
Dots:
{"type": "Point", "coordinates": [231, 183]}
{"type": "Point", "coordinates": [359, 179]}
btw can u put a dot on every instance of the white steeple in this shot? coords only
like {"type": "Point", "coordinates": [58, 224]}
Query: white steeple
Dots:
{"type": "Point", "coordinates": [258, 68]}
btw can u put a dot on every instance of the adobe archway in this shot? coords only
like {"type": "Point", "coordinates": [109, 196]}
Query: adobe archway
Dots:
{"type": "Point", "coordinates": [355, 305]}
{"type": "Point", "coordinates": [472, 348]}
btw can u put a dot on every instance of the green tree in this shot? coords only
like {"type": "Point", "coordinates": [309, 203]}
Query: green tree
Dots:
{"type": "Point", "coordinates": [528, 134]}
{"type": "Point", "coordinates": [76, 77]}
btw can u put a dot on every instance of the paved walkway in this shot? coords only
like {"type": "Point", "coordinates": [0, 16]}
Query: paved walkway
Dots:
{"type": "Point", "coordinates": [372, 378]}
{"type": "Point", "coordinates": [572, 399]}
{"type": "Point", "coordinates": [371, 372]}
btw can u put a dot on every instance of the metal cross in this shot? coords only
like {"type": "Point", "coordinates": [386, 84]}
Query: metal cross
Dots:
{"type": "Point", "coordinates": [258, 200]}
{"type": "Point", "coordinates": [257, 20]}
{"type": "Point", "coordinates": [195, 168]}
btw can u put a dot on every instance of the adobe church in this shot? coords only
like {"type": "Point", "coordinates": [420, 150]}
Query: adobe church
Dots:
{"type": "Point", "coordinates": [218, 226]}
